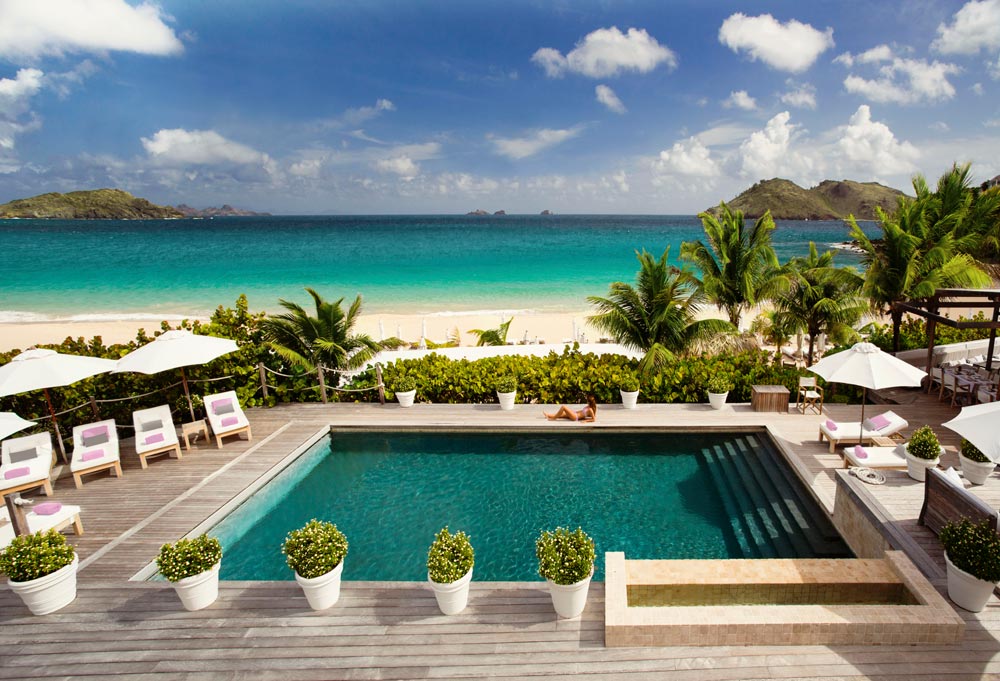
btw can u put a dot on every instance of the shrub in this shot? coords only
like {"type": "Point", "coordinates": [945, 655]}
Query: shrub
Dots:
{"type": "Point", "coordinates": [629, 383]}
{"type": "Point", "coordinates": [924, 444]}
{"type": "Point", "coordinates": [565, 557]}
{"type": "Point", "coordinates": [972, 453]}
{"type": "Point", "coordinates": [450, 557]}
{"type": "Point", "coordinates": [973, 548]}
{"type": "Point", "coordinates": [314, 549]}
{"type": "Point", "coordinates": [506, 384]}
{"type": "Point", "coordinates": [719, 384]}
{"type": "Point", "coordinates": [188, 557]}
{"type": "Point", "coordinates": [32, 556]}
{"type": "Point", "coordinates": [405, 384]}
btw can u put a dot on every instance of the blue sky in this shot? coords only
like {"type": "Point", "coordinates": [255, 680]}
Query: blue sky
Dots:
{"type": "Point", "coordinates": [442, 107]}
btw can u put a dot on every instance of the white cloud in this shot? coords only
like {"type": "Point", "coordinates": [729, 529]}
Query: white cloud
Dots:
{"type": "Point", "coordinates": [940, 126]}
{"type": "Point", "coordinates": [64, 82]}
{"type": "Point", "coordinates": [872, 146]}
{"type": "Point", "coordinates": [741, 100]}
{"type": "Point", "coordinates": [307, 167]}
{"type": "Point", "coordinates": [792, 46]}
{"type": "Point", "coordinates": [30, 29]}
{"type": "Point", "coordinates": [354, 117]}
{"type": "Point", "coordinates": [619, 181]}
{"type": "Point", "coordinates": [877, 54]}
{"type": "Point", "coordinates": [179, 147]}
{"type": "Point", "coordinates": [689, 158]}
{"type": "Point", "coordinates": [15, 93]}
{"type": "Point", "coordinates": [723, 134]}
{"type": "Point", "coordinates": [801, 96]}
{"type": "Point", "coordinates": [607, 52]}
{"type": "Point", "coordinates": [906, 81]}
{"type": "Point", "coordinates": [974, 27]}
{"type": "Point", "coordinates": [399, 165]}
{"type": "Point", "coordinates": [977, 89]}
{"type": "Point", "coordinates": [522, 147]}
{"type": "Point", "coordinates": [608, 98]}
{"type": "Point", "coordinates": [767, 153]}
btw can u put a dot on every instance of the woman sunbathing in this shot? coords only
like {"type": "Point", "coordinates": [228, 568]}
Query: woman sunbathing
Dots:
{"type": "Point", "coordinates": [588, 413]}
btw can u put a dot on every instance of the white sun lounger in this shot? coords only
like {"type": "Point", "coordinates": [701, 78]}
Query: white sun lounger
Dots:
{"type": "Point", "coordinates": [25, 463]}
{"type": "Point", "coordinates": [64, 517]}
{"type": "Point", "coordinates": [226, 416]}
{"type": "Point", "coordinates": [848, 432]}
{"type": "Point", "coordinates": [95, 448]}
{"type": "Point", "coordinates": [878, 457]}
{"type": "Point", "coordinates": [155, 433]}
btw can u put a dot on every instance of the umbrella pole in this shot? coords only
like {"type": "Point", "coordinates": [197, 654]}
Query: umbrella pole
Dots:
{"type": "Point", "coordinates": [55, 425]}
{"type": "Point", "coordinates": [861, 428]}
{"type": "Point", "coordinates": [187, 393]}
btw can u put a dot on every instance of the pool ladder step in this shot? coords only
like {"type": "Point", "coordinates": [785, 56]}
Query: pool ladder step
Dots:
{"type": "Point", "coordinates": [741, 532]}
{"type": "Point", "coordinates": [756, 531]}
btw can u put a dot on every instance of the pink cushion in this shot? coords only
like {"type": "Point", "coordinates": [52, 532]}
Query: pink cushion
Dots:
{"type": "Point", "coordinates": [218, 405]}
{"type": "Point", "coordinates": [153, 439]}
{"type": "Point", "coordinates": [229, 421]}
{"type": "Point", "coordinates": [830, 425]}
{"type": "Point", "coordinates": [859, 452]}
{"type": "Point", "coordinates": [92, 454]}
{"type": "Point", "coordinates": [93, 432]}
{"type": "Point", "coordinates": [48, 508]}
{"type": "Point", "coordinates": [879, 422]}
{"type": "Point", "coordinates": [16, 472]}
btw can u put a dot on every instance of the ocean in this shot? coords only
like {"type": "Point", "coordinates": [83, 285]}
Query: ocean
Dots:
{"type": "Point", "coordinates": [171, 269]}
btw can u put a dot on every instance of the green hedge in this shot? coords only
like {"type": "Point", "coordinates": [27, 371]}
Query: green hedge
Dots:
{"type": "Point", "coordinates": [913, 333]}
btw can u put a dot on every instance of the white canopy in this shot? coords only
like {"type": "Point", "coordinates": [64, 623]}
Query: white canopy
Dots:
{"type": "Point", "coordinates": [11, 423]}
{"type": "Point", "coordinates": [40, 369]}
{"type": "Point", "coordinates": [172, 350]}
{"type": "Point", "coordinates": [978, 425]}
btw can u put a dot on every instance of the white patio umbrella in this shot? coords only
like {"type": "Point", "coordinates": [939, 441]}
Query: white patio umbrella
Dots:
{"type": "Point", "coordinates": [173, 350]}
{"type": "Point", "coordinates": [865, 365]}
{"type": "Point", "coordinates": [39, 369]}
{"type": "Point", "coordinates": [11, 423]}
{"type": "Point", "coordinates": [978, 425]}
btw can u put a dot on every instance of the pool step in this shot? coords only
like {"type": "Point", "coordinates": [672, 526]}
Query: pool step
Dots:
{"type": "Point", "coordinates": [727, 480]}
{"type": "Point", "coordinates": [740, 531]}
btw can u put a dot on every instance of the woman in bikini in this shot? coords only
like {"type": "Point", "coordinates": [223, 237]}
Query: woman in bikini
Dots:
{"type": "Point", "coordinates": [587, 414]}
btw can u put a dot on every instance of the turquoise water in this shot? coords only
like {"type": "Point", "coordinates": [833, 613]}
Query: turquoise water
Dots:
{"type": "Point", "coordinates": [405, 264]}
{"type": "Point", "coordinates": [649, 495]}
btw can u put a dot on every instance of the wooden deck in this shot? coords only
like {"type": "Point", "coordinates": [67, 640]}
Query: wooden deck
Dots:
{"type": "Point", "coordinates": [264, 630]}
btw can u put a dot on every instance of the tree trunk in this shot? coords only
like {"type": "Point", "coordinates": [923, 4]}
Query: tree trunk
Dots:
{"type": "Point", "coordinates": [897, 319]}
{"type": "Point", "coordinates": [812, 341]}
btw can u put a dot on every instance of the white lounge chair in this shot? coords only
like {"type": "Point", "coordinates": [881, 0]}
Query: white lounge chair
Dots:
{"type": "Point", "coordinates": [95, 448]}
{"type": "Point", "coordinates": [226, 416]}
{"type": "Point", "coordinates": [25, 463]}
{"type": "Point", "coordinates": [155, 433]}
{"type": "Point", "coordinates": [849, 432]}
{"type": "Point", "coordinates": [875, 457]}
{"type": "Point", "coordinates": [63, 516]}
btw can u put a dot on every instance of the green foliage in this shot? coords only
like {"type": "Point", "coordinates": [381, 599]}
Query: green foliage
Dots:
{"type": "Point", "coordinates": [629, 383]}
{"type": "Point", "coordinates": [314, 549]}
{"type": "Point", "coordinates": [924, 444]}
{"type": "Point", "coordinates": [450, 557]}
{"type": "Point", "coordinates": [913, 333]}
{"type": "Point", "coordinates": [830, 200]}
{"type": "Point", "coordinates": [719, 384]}
{"type": "Point", "coordinates": [32, 556]}
{"type": "Point", "coordinates": [564, 556]}
{"type": "Point", "coordinates": [188, 557]}
{"type": "Point", "coordinates": [972, 452]}
{"type": "Point", "coordinates": [96, 204]}
{"type": "Point", "coordinates": [973, 548]}
{"type": "Point", "coordinates": [497, 336]}
{"type": "Point", "coordinates": [506, 384]}
{"type": "Point", "coordinates": [404, 384]}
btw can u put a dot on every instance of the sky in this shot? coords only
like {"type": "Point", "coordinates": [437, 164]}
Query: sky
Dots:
{"type": "Point", "coordinates": [378, 107]}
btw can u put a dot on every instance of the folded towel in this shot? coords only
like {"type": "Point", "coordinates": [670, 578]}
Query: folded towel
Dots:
{"type": "Point", "coordinates": [860, 452]}
{"type": "Point", "coordinates": [93, 432]}
{"type": "Point", "coordinates": [879, 422]}
{"type": "Point", "coordinates": [152, 439]}
{"type": "Point", "coordinates": [16, 473]}
{"type": "Point", "coordinates": [48, 508]}
{"type": "Point", "coordinates": [229, 421]}
{"type": "Point", "coordinates": [223, 407]}
{"type": "Point", "coordinates": [831, 425]}
{"type": "Point", "coordinates": [92, 454]}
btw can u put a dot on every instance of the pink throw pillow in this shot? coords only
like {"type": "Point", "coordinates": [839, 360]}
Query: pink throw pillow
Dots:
{"type": "Point", "coordinates": [879, 422]}
{"type": "Point", "coordinates": [153, 439]}
{"type": "Point", "coordinates": [93, 454]}
{"type": "Point", "coordinates": [16, 472]}
{"type": "Point", "coordinates": [830, 425]}
{"type": "Point", "coordinates": [220, 406]}
{"type": "Point", "coordinates": [48, 508]}
{"type": "Point", "coordinates": [230, 421]}
{"type": "Point", "coordinates": [860, 452]}
{"type": "Point", "coordinates": [93, 432]}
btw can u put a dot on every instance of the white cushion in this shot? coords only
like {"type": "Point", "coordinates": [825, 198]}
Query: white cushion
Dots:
{"type": "Point", "coordinates": [953, 477]}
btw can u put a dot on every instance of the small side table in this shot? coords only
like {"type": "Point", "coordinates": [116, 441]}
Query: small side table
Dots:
{"type": "Point", "coordinates": [769, 398]}
{"type": "Point", "coordinates": [884, 442]}
{"type": "Point", "coordinates": [190, 431]}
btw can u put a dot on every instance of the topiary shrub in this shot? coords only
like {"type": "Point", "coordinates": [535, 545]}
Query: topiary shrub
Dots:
{"type": "Point", "coordinates": [629, 383]}
{"type": "Point", "coordinates": [450, 557]}
{"type": "Point", "coordinates": [404, 384]}
{"type": "Point", "coordinates": [506, 384]}
{"type": "Point", "coordinates": [719, 384]}
{"type": "Point", "coordinates": [31, 556]}
{"type": "Point", "coordinates": [972, 453]}
{"type": "Point", "coordinates": [924, 444]}
{"type": "Point", "coordinates": [188, 557]}
{"type": "Point", "coordinates": [973, 548]}
{"type": "Point", "coordinates": [314, 549]}
{"type": "Point", "coordinates": [564, 556]}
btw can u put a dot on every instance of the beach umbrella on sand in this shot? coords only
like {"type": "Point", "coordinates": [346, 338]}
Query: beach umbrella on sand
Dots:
{"type": "Point", "coordinates": [175, 350]}
{"type": "Point", "coordinates": [865, 365]}
{"type": "Point", "coordinates": [43, 369]}
{"type": "Point", "coordinates": [11, 423]}
{"type": "Point", "coordinates": [978, 425]}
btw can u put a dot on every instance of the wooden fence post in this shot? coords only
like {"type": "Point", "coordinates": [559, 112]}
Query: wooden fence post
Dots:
{"type": "Point", "coordinates": [263, 378]}
{"type": "Point", "coordinates": [322, 383]}
{"type": "Point", "coordinates": [93, 407]}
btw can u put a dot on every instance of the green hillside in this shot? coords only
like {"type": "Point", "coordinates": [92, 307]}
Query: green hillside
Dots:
{"type": "Point", "coordinates": [97, 204]}
{"type": "Point", "coordinates": [830, 200]}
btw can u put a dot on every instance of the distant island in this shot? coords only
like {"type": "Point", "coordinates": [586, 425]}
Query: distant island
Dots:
{"type": "Point", "coordinates": [225, 211]}
{"type": "Point", "coordinates": [829, 200]}
{"type": "Point", "coordinates": [106, 204]}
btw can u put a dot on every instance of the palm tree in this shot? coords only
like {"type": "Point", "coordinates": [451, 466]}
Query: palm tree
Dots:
{"type": "Point", "coordinates": [497, 336]}
{"type": "Point", "coordinates": [738, 265]}
{"type": "Point", "coordinates": [821, 298]}
{"type": "Point", "coordinates": [657, 316]}
{"type": "Point", "coordinates": [320, 342]}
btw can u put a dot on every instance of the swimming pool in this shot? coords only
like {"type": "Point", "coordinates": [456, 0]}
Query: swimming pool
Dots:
{"type": "Point", "coordinates": [649, 494]}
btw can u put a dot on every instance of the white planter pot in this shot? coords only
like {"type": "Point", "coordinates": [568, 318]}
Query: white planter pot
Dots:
{"type": "Point", "coordinates": [506, 400]}
{"type": "Point", "coordinates": [452, 598]}
{"type": "Point", "coordinates": [629, 398]}
{"type": "Point", "coordinates": [976, 472]}
{"type": "Point", "coordinates": [917, 468]}
{"type": "Point", "coordinates": [49, 593]}
{"type": "Point", "coordinates": [199, 591]}
{"type": "Point", "coordinates": [966, 591]}
{"type": "Point", "coordinates": [406, 398]}
{"type": "Point", "coordinates": [569, 600]}
{"type": "Point", "coordinates": [322, 591]}
{"type": "Point", "coordinates": [717, 400]}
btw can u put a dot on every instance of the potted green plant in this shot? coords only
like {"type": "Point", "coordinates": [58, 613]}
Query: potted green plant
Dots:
{"type": "Point", "coordinates": [316, 552]}
{"type": "Point", "coordinates": [41, 569]}
{"type": "Point", "coordinates": [192, 568]}
{"type": "Point", "coordinates": [718, 388]}
{"type": "Point", "coordinates": [449, 570]}
{"type": "Point", "coordinates": [923, 451]}
{"type": "Point", "coordinates": [566, 561]}
{"type": "Point", "coordinates": [405, 389]}
{"type": "Point", "coordinates": [972, 556]}
{"type": "Point", "coordinates": [506, 392]}
{"type": "Point", "coordinates": [629, 388]}
{"type": "Point", "coordinates": [976, 466]}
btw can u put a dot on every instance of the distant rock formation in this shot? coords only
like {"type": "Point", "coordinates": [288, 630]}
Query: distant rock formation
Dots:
{"type": "Point", "coordinates": [501, 212]}
{"type": "Point", "coordinates": [478, 211]}
{"type": "Point", "coordinates": [546, 212]}
{"type": "Point", "coordinates": [829, 200]}
{"type": "Point", "coordinates": [225, 211]}
{"type": "Point", "coordinates": [96, 204]}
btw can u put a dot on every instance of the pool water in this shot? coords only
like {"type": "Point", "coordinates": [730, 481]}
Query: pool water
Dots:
{"type": "Point", "coordinates": [651, 495]}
